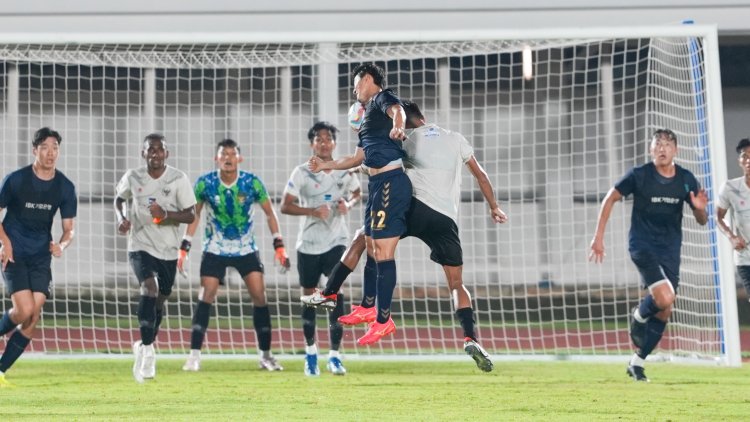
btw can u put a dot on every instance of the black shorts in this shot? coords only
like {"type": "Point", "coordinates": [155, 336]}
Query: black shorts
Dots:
{"type": "Point", "coordinates": [216, 265]}
{"type": "Point", "coordinates": [29, 273]}
{"type": "Point", "coordinates": [310, 267]}
{"type": "Point", "coordinates": [744, 272]}
{"type": "Point", "coordinates": [438, 231]}
{"type": "Point", "coordinates": [146, 266]}
{"type": "Point", "coordinates": [655, 267]}
{"type": "Point", "coordinates": [387, 204]}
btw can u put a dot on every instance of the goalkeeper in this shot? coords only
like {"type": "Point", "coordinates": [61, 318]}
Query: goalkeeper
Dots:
{"type": "Point", "coordinates": [435, 158]}
{"type": "Point", "coordinates": [228, 241]}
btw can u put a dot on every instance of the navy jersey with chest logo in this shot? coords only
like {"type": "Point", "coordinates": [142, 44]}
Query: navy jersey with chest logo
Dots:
{"type": "Point", "coordinates": [656, 221]}
{"type": "Point", "coordinates": [374, 134]}
{"type": "Point", "coordinates": [31, 205]}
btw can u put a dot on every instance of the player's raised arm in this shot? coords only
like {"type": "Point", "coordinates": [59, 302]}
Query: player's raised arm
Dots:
{"type": "Point", "coordinates": [397, 114]}
{"type": "Point", "coordinates": [316, 165]}
{"type": "Point", "coordinates": [485, 186]}
{"type": "Point", "coordinates": [597, 243]}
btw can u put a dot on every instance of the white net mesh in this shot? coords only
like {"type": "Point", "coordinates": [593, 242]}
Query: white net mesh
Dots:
{"type": "Point", "coordinates": [552, 146]}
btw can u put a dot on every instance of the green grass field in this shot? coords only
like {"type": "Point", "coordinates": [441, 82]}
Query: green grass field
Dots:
{"type": "Point", "coordinates": [229, 390]}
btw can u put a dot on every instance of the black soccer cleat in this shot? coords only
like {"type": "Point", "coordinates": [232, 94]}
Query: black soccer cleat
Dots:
{"type": "Point", "coordinates": [637, 373]}
{"type": "Point", "coordinates": [638, 330]}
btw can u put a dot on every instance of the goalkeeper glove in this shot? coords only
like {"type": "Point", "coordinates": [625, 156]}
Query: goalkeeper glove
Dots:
{"type": "Point", "coordinates": [182, 257]}
{"type": "Point", "coordinates": [281, 256]}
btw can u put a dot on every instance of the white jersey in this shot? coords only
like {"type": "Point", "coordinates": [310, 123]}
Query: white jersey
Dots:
{"type": "Point", "coordinates": [434, 160]}
{"type": "Point", "coordinates": [172, 191]}
{"type": "Point", "coordinates": [735, 197]}
{"type": "Point", "coordinates": [318, 236]}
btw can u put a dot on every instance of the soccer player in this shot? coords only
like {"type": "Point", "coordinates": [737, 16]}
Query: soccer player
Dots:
{"type": "Point", "coordinates": [735, 196]}
{"type": "Point", "coordinates": [228, 241]}
{"type": "Point", "coordinates": [659, 189]}
{"type": "Point", "coordinates": [435, 157]}
{"type": "Point", "coordinates": [323, 199]}
{"type": "Point", "coordinates": [32, 195]}
{"type": "Point", "coordinates": [383, 128]}
{"type": "Point", "coordinates": [160, 199]}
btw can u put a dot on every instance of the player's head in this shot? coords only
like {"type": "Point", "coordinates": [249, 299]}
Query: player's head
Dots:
{"type": "Point", "coordinates": [368, 80]}
{"type": "Point", "coordinates": [743, 150]}
{"type": "Point", "coordinates": [414, 116]}
{"type": "Point", "coordinates": [322, 136]}
{"type": "Point", "coordinates": [155, 151]}
{"type": "Point", "coordinates": [46, 147]}
{"type": "Point", "coordinates": [228, 156]}
{"type": "Point", "coordinates": [663, 147]}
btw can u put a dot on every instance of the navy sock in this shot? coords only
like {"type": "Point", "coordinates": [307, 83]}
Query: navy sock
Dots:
{"type": "Point", "coordinates": [648, 307]}
{"type": "Point", "coordinates": [654, 331]}
{"type": "Point", "coordinates": [369, 283]}
{"type": "Point", "coordinates": [13, 350]}
{"type": "Point", "coordinates": [147, 318]}
{"type": "Point", "coordinates": [466, 317]}
{"type": "Point", "coordinates": [335, 329]}
{"type": "Point", "coordinates": [262, 324]}
{"type": "Point", "coordinates": [157, 322]}
{"type": "Point", "coordinates": [386, 285]}
{"type": "Point", "coordinates": [339, 273]}
{"type": "Point", "coordinates": [6, 324]}
{"type": "Point", "coordinates": [308, 324]}
{"type": "Point", "coordinates": [200, 324]}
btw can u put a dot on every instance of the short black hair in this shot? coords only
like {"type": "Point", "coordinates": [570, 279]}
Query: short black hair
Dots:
{"type": "Point", "coordinates": [377, 73]}
{"type": "Point", "coordinates": [42, 134]}
{"type": "Point", "coordinates": [317, 127]}
{"type": "Point", "coordinates": [744, 143]}
{"type": "Point", "coordinates": [228, 143]}
{"type": "Point", "coordinates": [664, 133]}
{"type": "Point", "coordinates": [412, 110]}
{"type": "Point", "coordinates": [155, 137]}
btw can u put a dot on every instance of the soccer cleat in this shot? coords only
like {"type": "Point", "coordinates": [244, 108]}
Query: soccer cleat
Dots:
{"type": "Point", "coordinates": [480, 356]}
{"type": "Point", "coordinates": [193, 364]}
{"type": "Point", "coordinates": [317, 299]}
{"type": "Point", "coordinates": [377, 331]}
{"type": "Point", "coordinates": [311, 366]}
{"type": "Point", "coordinates": [335, 366]}
{"type": "Point", "coordinates": [637, 330]}
{"type": "Point", "coordinates": [138, 363]}
{"type": "Point", "coordinates": [3, 382]}
{"type": "Point", "coordinates": [359, 315]}
{"type": "Point", "coordinates": [148, 367]}
{"type": "Point", "coordinates": [637, 373]}
{"type": "Point", "coordinates": [269, 364]}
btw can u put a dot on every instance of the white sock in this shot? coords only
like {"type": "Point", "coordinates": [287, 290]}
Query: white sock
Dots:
{"type": "Point", "coordinates": [638, 317]}
{"type": "Point", "coordinates": [311, 350]}
{"type": "Point", "coordinates": [149, 348]}
{"type": "Point", "coordinates": [637, 361]}
{"type": "Point", "coordinates": [195, 353]}
{"type": "Point", "coordinates": [334, 354]}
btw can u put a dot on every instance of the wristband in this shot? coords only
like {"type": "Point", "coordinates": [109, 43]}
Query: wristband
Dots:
{"type": "Point", "coordinates": [185, 245]}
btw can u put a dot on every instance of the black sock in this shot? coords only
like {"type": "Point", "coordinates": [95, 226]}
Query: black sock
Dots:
{"type": "Point", "coordinates": [466, 317]}
{"type": "Point", "coordinates": [386, 285]}
{"type": "Point", "coordinates": [147, 318]}
{"type": "Point", "coordinates": [654, 331]}
{"type": "Point", "coordinates": [6, 324]}
{"type": "Point", "coordinates": [335, 329]}
{"type": "Point", "coordinates": [200, 324]}
{"type": "Point", "coordinates": [13, 350]}
{"type": "Point", "coordinates": [339, 273]}
{"type": "Point", "coordinates": [308, 324]}
{"type": "Point", "coordinates": [262, 324]}
{"type": "Point", "coordinates": [369, 283]}
{"type": "Point", "coordinates": [647, 307]}
{"type": "Point", "coordinates": [157, 322]}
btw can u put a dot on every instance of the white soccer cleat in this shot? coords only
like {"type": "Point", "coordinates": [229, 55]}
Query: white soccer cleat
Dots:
{"type": "Point", "coordinates": [269, 364]}
{"type": "Point", "coordinates": [316, 299]}
{"type": "Point", "coordinates": [311, 365]}
{"type": "Point", "coordinates": [335, 366]}
{"type": "Point", "coordinates": [138, 363]}
{"type": "Point", "coordinates": [193, 364]}
{"type": "Point", "coordinates": [148, 367]}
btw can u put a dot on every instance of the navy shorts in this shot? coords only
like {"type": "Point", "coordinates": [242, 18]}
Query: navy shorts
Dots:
{"type": "Point", "coordinates": [387, 204]}
{"type": "Point", "coordinates": [311, 267]}
{"type": "Point", "coordinates": [744, 272]}
{"type": "Point", "coordinates": [655, 267]}
{"type": "Point", "coordinates": [146, 266]}
{"type": "Point", "coordinates": [29, 273]}
{"type": "Point", "coordinates": [216, 265]}
{"type": "Point", "coordinates": [438, 231]}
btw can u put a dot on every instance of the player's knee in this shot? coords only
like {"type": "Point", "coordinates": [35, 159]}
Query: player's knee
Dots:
{"type": "Point", "coordinates": [149, 288]}
{"type": "Point", "coordinates": [664, 299]}
{"type": "Point", "coordinates": [23, 313]}
{"type": "Point", "coordinates": [208, 295]}
{"type": "Point", "coordinates": [259, 299]}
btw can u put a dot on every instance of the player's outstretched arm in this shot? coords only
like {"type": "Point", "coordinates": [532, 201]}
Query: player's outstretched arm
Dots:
{"type": "Point", "coordinates": [700, 202]}
{"type": "Point", "coordinates": [398, 116]}
{"type": "Point", "coordinates": [597, 244]}
{"type": "Point", "coordinates": [738, 243]}
{"type": "Point", "coordinates": [485, 186]}
{"type": "Point", "coordinates": [68, 232]}
{"type": "Point", "coordinates": [316, 165]}
{"type": "Point", "coordinates": [290, 206]}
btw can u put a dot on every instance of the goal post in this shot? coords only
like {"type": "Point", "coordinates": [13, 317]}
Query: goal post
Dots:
{"type": "Point", "coordinates": [554, 134]}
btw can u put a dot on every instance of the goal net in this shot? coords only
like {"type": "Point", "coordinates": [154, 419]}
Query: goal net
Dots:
{"type": "Point", "coordinates": [552, 141]}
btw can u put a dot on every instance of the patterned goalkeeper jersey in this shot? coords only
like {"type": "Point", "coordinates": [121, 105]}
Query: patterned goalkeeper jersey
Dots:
{"type": "Point", "coordinates": [229, 218]}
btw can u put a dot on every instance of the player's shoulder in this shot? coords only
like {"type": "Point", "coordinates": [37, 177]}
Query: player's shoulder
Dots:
{"type": "Point", "coordinates": [685, 172]}
{"type": "Point", "coordinates": [20, 173]}
{"type": "Point", "coordinates": [248, 179]}
{"type": "Point", "coordinates": [209, 177]}
{"type": "Point", "coordinates": [65, 180]}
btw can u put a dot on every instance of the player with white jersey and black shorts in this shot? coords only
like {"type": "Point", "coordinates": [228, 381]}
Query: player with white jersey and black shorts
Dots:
{"type": "Point", "coordinates": [323, 200]}
{"type": "Point", "coordinates": [160, 198]}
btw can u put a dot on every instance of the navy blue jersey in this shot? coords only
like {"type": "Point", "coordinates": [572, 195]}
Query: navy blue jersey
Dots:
{"type": "Point", "coordinates": [31, 205]}
{"type": "Point", "coordinates": [656, 222]}
{"type": "Point", "coordinates": [374, 134]}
